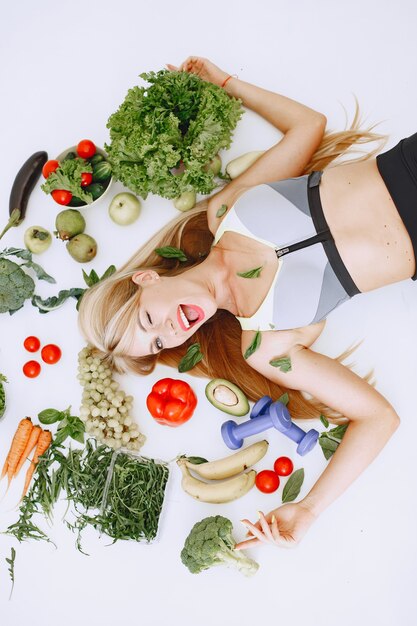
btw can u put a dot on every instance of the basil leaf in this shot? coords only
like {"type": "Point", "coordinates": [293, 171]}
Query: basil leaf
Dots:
{"type": "Point", "coordinates": [283, 363]}
{"type": "Point", "coordinates": [330, 439]}
{"type": "Point", "coordinates": [50, 416]}
{"type": "Point", "coordinates": [324, 421]}
{"type": "Point", "coordinates": [109, 271]}
{"type": "Point", "coordinates": [293, 486]}
{"type": "Point", "coordinates": [196, 460]}
{"type": "Point", "coordinates": [91, 278]}
{"type": "Point", "coordinates": [255, 273]}
{"type": "Point", "coordinates": [285, 398]}
{"type": "Point", "coordinates": [222, 210]}
{"type": "Point", "coordinates": [169, 252]}
{"type": "Point", "coordinates": [191, 358]}
{"type": "Point", "coordinates": [254, 345]}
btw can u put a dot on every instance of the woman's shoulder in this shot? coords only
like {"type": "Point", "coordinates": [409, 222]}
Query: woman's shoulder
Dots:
{"type": "Point", "coordinates": [220, 203]}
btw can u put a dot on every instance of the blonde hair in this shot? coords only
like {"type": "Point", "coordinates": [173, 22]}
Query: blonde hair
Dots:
{"type": "Point", "coordinates": [108, 311]}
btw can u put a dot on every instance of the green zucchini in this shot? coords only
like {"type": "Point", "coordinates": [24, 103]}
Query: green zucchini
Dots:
{"type": "Point", "coordinates": [77, 201]}
{"type": "Point", "coordinates": [69, 156]}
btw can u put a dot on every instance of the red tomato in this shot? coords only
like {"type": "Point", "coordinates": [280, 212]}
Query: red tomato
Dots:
{"type": "Point", "coordinates": [86, 149]}
{"type": "Point", "coordinates": [32, 344]}
{"type": "Point", "coordinates": [283, 466]}
{"type": "Point", "coordinates": [61, 196]}
{"type": "Point", "coordinates": [86, 179]}
{"type": "Point", "coordinates": [51, 354]}
{"type": "Point", "coordinates": [267, 481]}
{"type": "Point", "coordinates": [49, 167]}
{"type": "Point", "coordinates": [31, 369]}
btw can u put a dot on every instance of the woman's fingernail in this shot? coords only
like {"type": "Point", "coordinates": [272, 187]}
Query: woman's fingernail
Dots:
{"type": "Point", "coordinates": [273, 519]}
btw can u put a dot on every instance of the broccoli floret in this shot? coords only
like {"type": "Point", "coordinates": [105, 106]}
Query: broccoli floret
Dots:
{"type": "Point", "coordinates": [211, 543]}
{"type": "Point", "coordinates": [15, 286]}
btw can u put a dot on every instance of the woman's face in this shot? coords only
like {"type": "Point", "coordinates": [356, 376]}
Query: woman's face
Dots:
{"type": "Point", "coordinates": [170, 310]}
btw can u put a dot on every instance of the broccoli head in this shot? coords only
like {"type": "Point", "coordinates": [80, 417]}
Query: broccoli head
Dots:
{"type": "Point", "coordinates": [211, 543]}
{"type": "Point", "coordinates": [15, 286]}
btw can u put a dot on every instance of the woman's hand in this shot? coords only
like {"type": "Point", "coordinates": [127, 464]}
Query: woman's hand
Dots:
{"type": "Point", "coordinates": [284, 527]}
{"type": "Point", "coordinates": [203, 68]}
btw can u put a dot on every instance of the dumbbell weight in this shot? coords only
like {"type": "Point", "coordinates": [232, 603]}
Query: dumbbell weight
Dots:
{"type": "Point", "coordinates": [267, 414]}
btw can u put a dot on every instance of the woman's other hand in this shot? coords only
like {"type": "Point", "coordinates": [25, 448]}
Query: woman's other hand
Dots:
{"type": "Point", "coordinates": [203, 68]}
{"type": "Point", "coordinates": [284, 527]}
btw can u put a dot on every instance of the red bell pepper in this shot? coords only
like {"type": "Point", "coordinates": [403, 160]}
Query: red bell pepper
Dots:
{"type": "Point", "coordinates": [171, 402]}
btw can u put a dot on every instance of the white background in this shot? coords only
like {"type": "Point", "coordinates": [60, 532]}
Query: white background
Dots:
{"type": "Point", "coordinates": [64, 68]}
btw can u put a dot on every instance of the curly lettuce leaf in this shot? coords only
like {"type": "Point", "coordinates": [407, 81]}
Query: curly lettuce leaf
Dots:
{"type": "Point", "coordinates": [179, 117]}
{"type": "Point", "coordinates": [68, 177]}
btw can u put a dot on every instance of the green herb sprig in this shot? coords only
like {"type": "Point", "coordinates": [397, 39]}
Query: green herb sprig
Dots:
{"type": "Point", "coordinates": [330, 439]}
{"type": "Point", "coordinates": [11, 563]}
{"type": "Point", "coordinates": [221, 211]}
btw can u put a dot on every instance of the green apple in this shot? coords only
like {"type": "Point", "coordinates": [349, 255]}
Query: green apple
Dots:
{"type": "Point", "coordinates": [124, 209]}
{"type": "Point", "coordinates": [185, 201]}
{"type": "Point", "coordinates": [37, 239]}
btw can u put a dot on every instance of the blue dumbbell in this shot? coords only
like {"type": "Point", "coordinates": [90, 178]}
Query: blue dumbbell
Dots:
{"type": "Point", "coordinates": [267, 414]}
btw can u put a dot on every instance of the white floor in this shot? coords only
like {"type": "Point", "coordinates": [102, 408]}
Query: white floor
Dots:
{"type": "Point", "coordinates": [65, 67]}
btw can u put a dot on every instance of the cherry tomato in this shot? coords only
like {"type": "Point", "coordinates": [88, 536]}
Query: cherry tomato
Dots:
{"type": "Point", "coordinates": [86, 149]}
{"type": "Point", "coordinates": [49, 167]}
{"type": "Point", "coordinates": [61, 196]}
{"type": "Point", "coordinates": [51, 354]}
{"type": "Point", "coordinates": [31, 369]}
{"type": "Point", "coordinates": [283, 466]}
{"type": "Point", "coordinates": [32, 344]}
{"type": "Point", "coordinates": [267, 481]}
{"type": "Point", "coordinates": [86, 179]}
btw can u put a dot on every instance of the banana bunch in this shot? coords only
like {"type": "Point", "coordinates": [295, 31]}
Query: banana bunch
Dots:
{"type": "Point", "coordinates": [231, 482]}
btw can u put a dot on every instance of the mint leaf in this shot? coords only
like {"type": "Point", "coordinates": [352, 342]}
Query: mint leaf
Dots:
{"type": "Point", "coordinates": [191, 358]}
{"type": "Point", "coordinates": [329, 440]}
{"type": "Point", "coordinates": [169, 252]}
{"type": "Point", "coordinates": [255, 273]}
{"type": "Point", "coordinates": [283, 363]}
{"type": "Point", "coordinates": [293, 486]}
{"type": "Point", "coordinates": [285, 398]}
{"type": "Point", "coordinates": [254, 345]}
{"type": "Point", "coordinates": [222, 210]}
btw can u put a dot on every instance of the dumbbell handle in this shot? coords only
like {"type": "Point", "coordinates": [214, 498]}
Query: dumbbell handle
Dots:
{"type": "Point", "coordinates": [253, 426]}
{"type": "Point", "coordinates": [295, 433]}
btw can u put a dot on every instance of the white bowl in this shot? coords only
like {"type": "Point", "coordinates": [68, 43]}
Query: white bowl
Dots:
{"type": "Point", "coordinates": [63, 154]}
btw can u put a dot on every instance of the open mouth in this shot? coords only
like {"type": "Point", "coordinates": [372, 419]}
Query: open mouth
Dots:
{"type": "Point", "coordinates": [189, 315]}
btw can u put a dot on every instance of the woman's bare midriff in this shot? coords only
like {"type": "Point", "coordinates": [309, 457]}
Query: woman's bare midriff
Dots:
{"type": "Point", "coordinates": [369, 234]}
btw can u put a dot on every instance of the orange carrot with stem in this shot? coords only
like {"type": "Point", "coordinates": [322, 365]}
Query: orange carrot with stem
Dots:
{"type": "Point", "coordinates": [18, 446]}
{"type": "Point", "coordinates": [32, 441]}
{"type": "Point", "coordinates": [43, 444]}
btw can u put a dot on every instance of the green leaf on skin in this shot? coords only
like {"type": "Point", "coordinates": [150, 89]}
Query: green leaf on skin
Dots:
{"type": "Point", "coordinates": [254, 273]}
{"type": "Point", "coordinates": [283, 363]}
{"type": "Point", "coordinates": [254, 345]}
{"type": "Point", "coordinates": [222, 210]}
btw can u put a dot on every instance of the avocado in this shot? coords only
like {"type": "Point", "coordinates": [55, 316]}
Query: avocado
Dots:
{"type": "Point", "coordinates": [227, 397]}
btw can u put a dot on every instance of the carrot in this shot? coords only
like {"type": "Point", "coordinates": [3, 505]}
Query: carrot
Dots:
{"type": "Point", "coordinates": [43, 444]}
{"type": "Point", "coordinates": [18, 446]}
{"type": "Point", "coordinates": [32, 441]}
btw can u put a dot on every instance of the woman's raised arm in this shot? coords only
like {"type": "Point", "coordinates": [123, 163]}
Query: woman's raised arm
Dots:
{"type": "Point", "coordinates": [303, 128]}
{"type": "Point", "coordinates": [372, 422]}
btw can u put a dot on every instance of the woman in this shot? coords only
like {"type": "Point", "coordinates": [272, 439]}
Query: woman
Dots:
{"type": "Point", "coordinates": [277, 249]}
